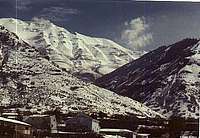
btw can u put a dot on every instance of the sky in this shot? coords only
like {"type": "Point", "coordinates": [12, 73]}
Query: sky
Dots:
{"type": "Point", "coordinates": [136, 25]}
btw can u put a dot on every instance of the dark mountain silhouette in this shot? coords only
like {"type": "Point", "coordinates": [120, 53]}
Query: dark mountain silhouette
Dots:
{"type": "Point", "coordinates": [166, 79]}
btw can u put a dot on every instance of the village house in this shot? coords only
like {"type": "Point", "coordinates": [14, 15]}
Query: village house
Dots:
{"type": "Point", "coordinates": [42, 123]}
{"type": "Point", "coordinates": [123, 133]}
{"type": "Point", "coordinates": [82, 122]}
{"type": "Point", "coordinates": [118, 132]}
{"type": "Point", "coordinates": [10, 128]}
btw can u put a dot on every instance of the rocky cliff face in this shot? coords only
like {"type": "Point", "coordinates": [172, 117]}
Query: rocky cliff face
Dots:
{"type": "Point", "coordinates": [29, 80]}
{"type": "Point", "coordinates": [166, 79]}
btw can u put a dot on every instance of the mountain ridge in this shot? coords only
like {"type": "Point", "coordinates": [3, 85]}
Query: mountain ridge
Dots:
{"type": "Point", "coordinates": [166, 79]}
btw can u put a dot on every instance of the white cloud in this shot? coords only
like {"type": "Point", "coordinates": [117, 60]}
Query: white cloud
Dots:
{"type": "Point", "coordinates": [136, 35]}
{"type": "Point", "coordinates": [58, 14]}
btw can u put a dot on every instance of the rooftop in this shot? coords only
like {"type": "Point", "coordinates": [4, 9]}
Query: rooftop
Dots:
{"type": "Point", "coordinates": [141, 134]}
{"type": "Point", "coordinates": [13, 121]}
{"type": "Point", "coordinates": [14, 114]}
{"type": "Point", "coordinates": [115, 130]}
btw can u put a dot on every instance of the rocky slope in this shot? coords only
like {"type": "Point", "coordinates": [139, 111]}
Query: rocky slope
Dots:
{"type": "Point", "coordinates": [86, 57]}
{"type": "Point", "coordinates": [30, 81]}
{"type": "Point", "coordinates": [167, 79]}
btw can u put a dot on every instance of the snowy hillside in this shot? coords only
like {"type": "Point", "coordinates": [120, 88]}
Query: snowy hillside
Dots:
{"type": "Point", "coordinates": [29, 80]}
{"type": "Point", "coordinates": [87, 57]}
{"type": "Point", "coordinates": [167, 79]}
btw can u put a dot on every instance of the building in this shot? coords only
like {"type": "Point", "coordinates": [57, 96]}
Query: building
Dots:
{"type": "Point", "coordinates": [42, 122]}
{"type": "Point", "coordinates": [123, 133]}
{"type": "Point", "coordinates": [82, 122]}
{"type": "Point", "coordinates": [118, 132]}
{"type": "Point", "coordinates": [38, 122]}
{"type": "Point", "coordinates": [10, 128]}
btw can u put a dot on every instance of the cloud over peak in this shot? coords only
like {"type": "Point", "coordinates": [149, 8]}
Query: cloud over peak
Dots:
{"type": "Point", "coordinates": [136, 34]}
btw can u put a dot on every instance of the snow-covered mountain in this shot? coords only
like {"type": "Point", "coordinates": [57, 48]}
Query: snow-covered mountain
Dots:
{"type": "Point", "coordinates": [84, 56]}
{"type": "Point", "coordinates": [167, 79]}
{"type": "Point", "coordinates": [29, 80]}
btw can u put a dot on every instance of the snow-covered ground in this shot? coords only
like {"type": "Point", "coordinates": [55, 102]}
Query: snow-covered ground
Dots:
{"type": "Point", "coordinates": [29, 80]}
{"type": "Point", "coordinates": [87, 57]}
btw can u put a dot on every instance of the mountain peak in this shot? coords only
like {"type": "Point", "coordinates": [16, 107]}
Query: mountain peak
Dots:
{"type": "Point", "coordinates": [84, 56]}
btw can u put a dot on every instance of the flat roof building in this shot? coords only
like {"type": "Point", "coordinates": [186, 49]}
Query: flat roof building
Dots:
{"type": "Point", "coordinates": [10, 128]}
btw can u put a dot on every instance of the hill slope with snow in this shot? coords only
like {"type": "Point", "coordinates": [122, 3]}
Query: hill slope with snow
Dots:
{"type": "Point", "coordinates": [84, 56]}
{"type": "Point", "coordinates": [167, 79]}
{"type": "Point", "coordinates": [29, 80]}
